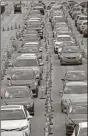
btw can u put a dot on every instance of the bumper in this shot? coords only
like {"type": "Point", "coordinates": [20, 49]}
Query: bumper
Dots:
{"type": "Point", "coordinates": [62, 61]}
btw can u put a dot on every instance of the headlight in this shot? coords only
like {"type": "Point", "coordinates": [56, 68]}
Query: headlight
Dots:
{"type": "Point", "coordinates": [28, 105]}
{"type": "Point", "coordinates": [24, 127]}
{"type": "Point", "coordinates": [80, 56]}
{"type": "Point", "coordinates": [66, 101]}
{"type": "Point", "coordinates": [35, 83]}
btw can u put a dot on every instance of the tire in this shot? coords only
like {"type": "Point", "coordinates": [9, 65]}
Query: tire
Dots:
{"type": "Point", "coordinates": [36, 92]}
{"type": "Point", "coordinates": [39, 82]}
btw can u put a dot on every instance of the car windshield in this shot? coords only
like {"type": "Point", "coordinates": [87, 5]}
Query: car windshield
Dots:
{"type": "Point", "coordinates": [26, 63]}
{"type": "Point", "coordinates": [59, 19]}
{"type": "Point", "coordinates": [60, 39]}
{"type": "Point", "coordinates": [79, 110]}
{"type": "Point", "coordinates": [75, 89]}
{"type": "Point", "coordinates": [16, 93]}
{"type": "Point", "coordinates": [83, 18]}
{"type": "Point", "coordinates": [23, 75]}
{"type": "Point", "coordinates": [29, 50]}
{"type": "Point", "coordinates": [70, 50]}
{"type": "Point", "coordinates": [13, 114]}
{"type": "Point", "coordinates": [31, 38]}
{"type": "Point", "coordinates": [68, 44]}
{"type": "Point", "coordinates": [76, 76]}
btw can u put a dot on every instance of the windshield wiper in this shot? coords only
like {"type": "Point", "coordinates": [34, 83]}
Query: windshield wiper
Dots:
{"type": "Point", "coordinates": [17, 129]}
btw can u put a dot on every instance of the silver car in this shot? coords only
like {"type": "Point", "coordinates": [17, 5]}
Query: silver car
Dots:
{"type": "Point", "coordinates": [71, 55]}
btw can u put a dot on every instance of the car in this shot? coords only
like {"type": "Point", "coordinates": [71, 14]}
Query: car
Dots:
{"type": "Point", "coordinates": [29, 61]}
{"type": "Point", "coordinates": [75, 75]}
{"type": "Point", "coordinates": [15, 117]}
{"type": "Point", "coordinates": [76, 10]}
{"type": "Point", "coordinates": [78, 115]}
{"type": "Point", "coordinates": [65, 44]}
{"type": "Point", "coordinates": [19, 95]}
{"type": "Point", "coordinates": [71, 91]}
{"type": "Point", "coordinates": [60, 39]}
{"type": "Point", "coordinates": [70, 55]}
{"type": "Point", "coordinates": [80, 129]}
{"type": "Point", "coordinates": [5, 132]}
{"type": "Point", "coordinates": [24, 76]}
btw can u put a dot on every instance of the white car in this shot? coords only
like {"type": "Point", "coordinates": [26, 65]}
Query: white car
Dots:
{"type": "Point", "coordinates": [15, 117]}
{"type": "Point", "coordinates": [80, 129]}
{"type": "Point", "coordinates": [60, 39]}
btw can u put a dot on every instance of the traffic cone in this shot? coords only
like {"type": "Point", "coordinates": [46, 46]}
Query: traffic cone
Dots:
{"type": "Point", "coordinates": [11, 27]}
{"type": "Point", "coordinates": [15, 26]}
{"type": "Point", "coordinates": [3, 29]}
{"type": "Point", "coordinates": [8, 28]}
{"type": "Point", "coordinates": [19, 26]}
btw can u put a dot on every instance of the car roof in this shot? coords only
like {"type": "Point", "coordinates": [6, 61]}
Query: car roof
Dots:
{"type": "Point", "coordinates": [29, 54]}
{"type": "Point", "coordinates": [31, 42]}
{"type": "Point", "coordinates": [64, 35]}
{"type": "Point", "coordinates": [26, 57]}
{"type": "Point", "coordinates": [83, 125]}
{"type": "Point", "coordinates": [79, 83]}
{"type": "Point", "coordinates": [22, 69]}
{"type": "Point", "coordinates": [23, 87]}
{"type": "Point", "coordinates": [11, 107]}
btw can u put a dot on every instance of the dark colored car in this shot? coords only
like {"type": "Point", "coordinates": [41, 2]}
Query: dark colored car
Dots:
{"type": "Point", "coordinates": [19, 95]}
{"type": "Point", "coordinates": [71, 55]}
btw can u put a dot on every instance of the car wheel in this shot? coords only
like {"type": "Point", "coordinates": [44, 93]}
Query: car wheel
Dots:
{"type": "Point", "coordinates": [39, 82]}
{"type": "Point", "coordinates": [36, 92]}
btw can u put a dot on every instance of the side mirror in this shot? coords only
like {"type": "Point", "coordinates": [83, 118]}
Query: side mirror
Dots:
{"type": "Point", "coordinates": [10, 64]}
{"type": "Point", "coordinates": [60, 93]}
{"type": "Point", "coordinates": [9, 78]}
{"type": "Point", "coordinates": [41, 64]}
{"type": "Point", "coordinates": [29, 117]}
{"type": "Point", "coordinates": [63, 79]}
{"type": "Point", "coordinates": [40, 50]}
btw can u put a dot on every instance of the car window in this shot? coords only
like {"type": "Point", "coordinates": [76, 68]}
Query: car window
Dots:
{"type": "Point", "coordinates": [16, 93]}
{"type": "Point", "coordinates": [26, 62]}
{"type": "Point", "coordinates": [30, 49]}
{"type": "Point", "coordinates": [76, 76]}
{"type": "Point", "coordinates": [75, 89]}
{"type": "Point", "coordinates": [79, 110]}
{"type": "Point", "coordinates": [12, 114]}
{"type": "Point", "coordinates": [70, 50]}
{"type": "Point", "coordinates": [23, 75]}
{"type": "Point", "coordinates": [60, 39]}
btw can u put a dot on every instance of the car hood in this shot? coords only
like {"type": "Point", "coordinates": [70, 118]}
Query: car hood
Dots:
{"type": "Point", "coordinates": [22, 82]}
{"type": "Point", "coordinates": [20, 101]}
{"type": "Point", "coordinates": [70, 54]}
{"type": "Point", "coordinates": [74, 97]}
{"type": "Point", "coordinates": [77, 118]}
{"type": "Point", "coordinates": [13, 124]}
